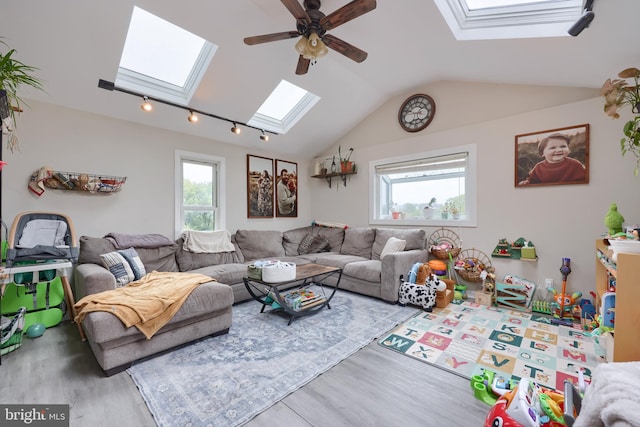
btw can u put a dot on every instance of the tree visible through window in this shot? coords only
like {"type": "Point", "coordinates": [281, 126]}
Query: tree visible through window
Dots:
{"type": "Point", "coordinates": [198, 195]}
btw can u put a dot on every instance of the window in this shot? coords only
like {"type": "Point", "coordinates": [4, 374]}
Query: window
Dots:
{"type": "Point", "coordinates": [433, 188]}
{"type": "Point", "coordinates": [144, 66]}
{"type": "Point", "coordinates": [199, 192]}
{"type": "Point", "coordinates": [283, 108]}
{"type": "Point", "coordinates": [501, 19]}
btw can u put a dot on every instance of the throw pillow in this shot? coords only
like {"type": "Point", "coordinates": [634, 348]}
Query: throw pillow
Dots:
{"type": "Point", "coordinates": [132, 257]}
{"type": "Point", "coordinates": [119, 267]}
{"type": "Point", "coordinates": [393, 245]}
{"type": "Point", "coordinates": [303, 247]}
{"type": "Point", "coordinates": [318, 244]}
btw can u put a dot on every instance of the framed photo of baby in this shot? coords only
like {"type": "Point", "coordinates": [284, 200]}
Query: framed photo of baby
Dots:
{"type": "Point", "coordinates": [286, 189]}
{"type": "Point", "coordinates": [260, 184]}
{"type": "Point", "coordinates": [553, 157]}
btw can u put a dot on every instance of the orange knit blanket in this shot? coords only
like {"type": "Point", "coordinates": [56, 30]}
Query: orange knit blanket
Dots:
{"type": "Point", "coordinates": [148, 303]}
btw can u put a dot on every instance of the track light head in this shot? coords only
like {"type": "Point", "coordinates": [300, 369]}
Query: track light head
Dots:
{"type": "Point", "coordinates": [193, 117]}
{"type": "Point", "coordinates": [582, 23]}
{"type": "Point", "coordinates": [235, 129]}
{"type": "Point", "coordinates": [584, 20]}
{"type": "Point", "coordinates": [264, 137]}
{"type": "Point", "coordinates": [146, 105]}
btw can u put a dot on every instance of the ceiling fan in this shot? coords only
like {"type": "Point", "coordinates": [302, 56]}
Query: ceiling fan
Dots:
{"type": "Point", "coordinates": [312, 26]}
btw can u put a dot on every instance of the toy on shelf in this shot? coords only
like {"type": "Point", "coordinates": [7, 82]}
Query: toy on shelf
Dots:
{"type": "Point", "coordinates": [563, 304]}
{"type": "Point", "coordinates": [519, 249]}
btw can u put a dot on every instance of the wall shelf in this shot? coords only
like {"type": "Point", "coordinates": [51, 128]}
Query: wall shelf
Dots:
{"type": "Point", "coordinates": [83, 182]}
{"type": "Point", "coordinates": [339, 175]}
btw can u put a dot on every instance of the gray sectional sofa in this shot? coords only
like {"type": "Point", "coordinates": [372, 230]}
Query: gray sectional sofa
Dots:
{"type": "Point", "coordinates": [207, 311]}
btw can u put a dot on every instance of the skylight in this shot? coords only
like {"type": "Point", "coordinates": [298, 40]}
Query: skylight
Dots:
{"type": "Point", "coordinates": [283, 108]}
{"type": "Point", "coordinates": [501, 19]}
{"type": "Point", "coordinates": [161, 59]}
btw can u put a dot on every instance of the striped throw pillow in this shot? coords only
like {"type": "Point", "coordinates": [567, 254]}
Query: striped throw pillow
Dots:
{"type": "Point", "coordinates": [119, 267]}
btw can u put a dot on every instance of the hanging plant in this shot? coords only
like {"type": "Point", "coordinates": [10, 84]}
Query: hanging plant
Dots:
{"type": "Point", "coordinates": [13, 75]}
{"type": "Point", "coordinates": [618, 93]}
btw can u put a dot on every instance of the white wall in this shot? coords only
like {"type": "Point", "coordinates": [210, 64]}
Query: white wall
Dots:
{"type": "Point", "coordinates": [562, 221]}
{"type": "Point", "coordinates": [75, 141]}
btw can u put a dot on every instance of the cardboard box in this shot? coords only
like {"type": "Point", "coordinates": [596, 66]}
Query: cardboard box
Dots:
{"type": "Point", "coordinates": [528, 253]}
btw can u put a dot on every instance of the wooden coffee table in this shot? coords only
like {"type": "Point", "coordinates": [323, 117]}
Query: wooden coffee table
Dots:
{"type": "Point", "coordinates": [306, 275]}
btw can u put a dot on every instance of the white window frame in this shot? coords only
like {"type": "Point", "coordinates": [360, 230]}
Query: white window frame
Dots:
{"type": "Point", "coordinates": [551, 18]}
{"type": "Point", "coordinates": [219, 199]}
{"type": "Point", "coordinates": [471, 203]}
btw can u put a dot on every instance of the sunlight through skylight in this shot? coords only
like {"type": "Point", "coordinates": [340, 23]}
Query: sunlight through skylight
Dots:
{"type": "Point", "coordinates": [283, 108]}
{"type": "Point", "coordinates": [161, 59]}
{"type": "Point", "coordinates": [151, 41]}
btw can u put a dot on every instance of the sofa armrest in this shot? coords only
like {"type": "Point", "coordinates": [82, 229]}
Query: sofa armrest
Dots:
{"type": "Point", "coordinates": [92, 278]}
{"type": "Point", "coordinates": [393, 266]}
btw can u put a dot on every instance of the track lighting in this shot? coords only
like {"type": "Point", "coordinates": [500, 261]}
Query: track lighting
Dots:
{"type": "Point", "coordinates": [584, 20]}
{"type": "Point", "coordinates": [193, 113]}
{"type": "Point", "coordinates": [146, 105]}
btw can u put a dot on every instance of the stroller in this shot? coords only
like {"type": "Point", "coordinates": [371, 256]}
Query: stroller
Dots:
{"type": "Point", "coordinates": [11, 337]}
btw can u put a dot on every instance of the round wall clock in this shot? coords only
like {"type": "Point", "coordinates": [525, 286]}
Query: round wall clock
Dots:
{"type": "Point", "coordinates": [416, 112]}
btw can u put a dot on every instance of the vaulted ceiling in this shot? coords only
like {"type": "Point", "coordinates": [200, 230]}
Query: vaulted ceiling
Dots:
{"type": "Point", "coordinates": [75, 43]}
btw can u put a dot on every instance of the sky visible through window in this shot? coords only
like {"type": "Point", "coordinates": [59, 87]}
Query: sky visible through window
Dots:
{"type": "Point", "coordinates": [282, 100]}
{"type": "Point", "coordinates": [151, 41]}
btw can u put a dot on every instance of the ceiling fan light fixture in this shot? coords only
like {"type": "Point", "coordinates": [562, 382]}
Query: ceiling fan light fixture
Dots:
{"type": "Point", "coordinates": [311, 47]}
{"type": "Point", "coordinates": [146, 105]}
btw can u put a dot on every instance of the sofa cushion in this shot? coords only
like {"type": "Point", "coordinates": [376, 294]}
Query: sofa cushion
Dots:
{"type": "Point", "coordinates": [335, 259]}
{"type": "Point", "coordinates": [415, 238]}
{"type": "Point", "coordinates": [188, 261]}
{"type": "Point", "coordinates": [369, 270]}
{"type": "Point", "coordinates": [158, 259]}
{"type": "Point", "coordinates": [358, 242]}
{"type": "Point", "coordinates": [257, 244]}
{"type": "Point", "coordinates": [229, 274]}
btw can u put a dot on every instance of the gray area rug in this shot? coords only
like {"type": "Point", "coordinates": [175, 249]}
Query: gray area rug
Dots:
{"type": "Point", "coordinates": [227, 380]}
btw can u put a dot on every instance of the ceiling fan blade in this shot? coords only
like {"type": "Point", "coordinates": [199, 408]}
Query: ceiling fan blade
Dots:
{"type": "Point", "coordinates": [296, 9]}
{"type": "Point", "coordinates": [346, 13]}
{"type": "Point", "coordinates": [271, 37]}
{"type": "Point", "coordinates": [303, 66]}
{"type": "Point", "coordinates": [344, 48]}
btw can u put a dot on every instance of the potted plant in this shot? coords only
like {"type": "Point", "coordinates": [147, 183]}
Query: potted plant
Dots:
{"type": "Point", "coordinates": [13, 75]}
{"type": "Point", "coordinates": [345, 164]}
{"type": "Point", "coordinates": [617, 93]}
{"type": "Point", "coordinates": [427, 210]}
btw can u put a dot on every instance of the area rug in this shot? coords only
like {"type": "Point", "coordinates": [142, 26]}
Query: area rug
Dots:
{"type": "Point", "coordinates": [468, 338]}
{"type": "Point", "coordinates": [227, 380]}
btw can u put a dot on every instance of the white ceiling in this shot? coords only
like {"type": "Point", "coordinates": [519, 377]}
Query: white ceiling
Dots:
{"type": "Point", "coordinates": [74, 43]}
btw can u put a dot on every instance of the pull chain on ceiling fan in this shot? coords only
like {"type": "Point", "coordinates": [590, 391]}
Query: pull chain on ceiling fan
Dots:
{"type": "Point", "coordinates": [312, 26]}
